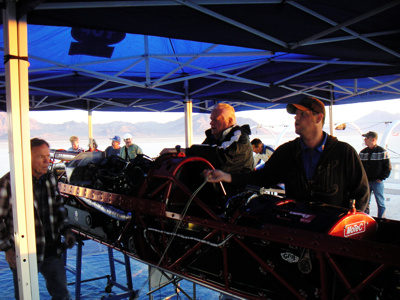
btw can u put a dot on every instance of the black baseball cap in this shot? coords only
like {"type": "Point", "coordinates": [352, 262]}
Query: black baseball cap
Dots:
{"type": "Point", "coordinates": [307, 103]}
{"type": "Point", "coordinates": [372, 134]}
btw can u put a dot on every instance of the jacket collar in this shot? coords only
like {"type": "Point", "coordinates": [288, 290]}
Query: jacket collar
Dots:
{"type": "Point", "coordinates": [224, 133]}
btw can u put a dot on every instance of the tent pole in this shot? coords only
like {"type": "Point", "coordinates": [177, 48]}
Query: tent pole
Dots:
{"type": "Point", "coordinates": [188, 117]}
{"type": "Point", "coordinates": [90, 128]}
{"type": "Point", "coordinates": [188, 123]}
{"type": "Point", "coordinates": [331, 124]}
{"type": "Point", "coordinates": [17, 93]}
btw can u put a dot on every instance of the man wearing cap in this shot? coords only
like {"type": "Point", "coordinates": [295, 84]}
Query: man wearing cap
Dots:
{"type": "Point", "coordinates": [314, 167]}
{"type": "Point", "coordinates": [130, 150]}
{"type": "Point", "coordinates": [115, 146]}
{"type": "Point", "coordinates": [376, 162]}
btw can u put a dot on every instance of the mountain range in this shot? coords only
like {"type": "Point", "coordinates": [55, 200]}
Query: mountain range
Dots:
{"type": "Point", "coordinates": [104, 131]}
{"type": "Point", "coordinates": [376, 119]}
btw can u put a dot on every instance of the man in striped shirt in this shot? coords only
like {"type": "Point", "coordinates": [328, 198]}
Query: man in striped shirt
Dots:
{"type": "Point", "coordinates": [376, 162]}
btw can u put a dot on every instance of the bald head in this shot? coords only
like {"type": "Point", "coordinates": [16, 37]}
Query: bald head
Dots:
{"type": "Point", "coordinates": [222, 117]}
{"type": "Point", "coordinates": [227, 110]}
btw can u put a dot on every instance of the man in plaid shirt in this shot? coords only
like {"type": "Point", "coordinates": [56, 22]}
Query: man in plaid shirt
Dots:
{"type": "Point", "coordinates": [50, 222]}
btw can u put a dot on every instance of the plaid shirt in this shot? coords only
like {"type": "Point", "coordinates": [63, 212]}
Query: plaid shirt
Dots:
{"type": "Point", "coordinates": [57, 214]}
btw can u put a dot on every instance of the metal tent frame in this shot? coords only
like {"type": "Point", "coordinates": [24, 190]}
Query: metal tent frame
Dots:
{"type": "Point", "coordinates": [304, 48]}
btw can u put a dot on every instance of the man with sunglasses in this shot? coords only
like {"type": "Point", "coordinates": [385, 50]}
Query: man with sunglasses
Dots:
{"type": "Point", "coordinates": [315, 167]}
{"type": "Point", "coordinates": [130, 150]}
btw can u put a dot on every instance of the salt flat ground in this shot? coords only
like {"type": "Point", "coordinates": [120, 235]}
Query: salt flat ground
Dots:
{"type": "Point", "coordinates": [392, 203]}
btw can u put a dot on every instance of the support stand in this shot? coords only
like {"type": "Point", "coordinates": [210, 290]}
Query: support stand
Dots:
{"type": "Point", "coordinates": [159, 279]}
{"type": "Point", "coordinates": [111, 279]}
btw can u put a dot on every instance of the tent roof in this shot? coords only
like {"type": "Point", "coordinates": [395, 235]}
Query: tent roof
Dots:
{"type": "Point", "coordinates": [142, 55]}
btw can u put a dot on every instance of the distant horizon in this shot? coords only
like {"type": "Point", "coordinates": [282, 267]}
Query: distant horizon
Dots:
{"type": "Point", "coordinates": [141, 129]}
{"type": "Point", "coordinates": [341, 113]}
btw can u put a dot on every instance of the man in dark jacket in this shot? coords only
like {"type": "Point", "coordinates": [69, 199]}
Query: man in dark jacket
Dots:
{"type": "Point", "coordinates": [227, 145]}
{"type": "Point", "coordinates": [376, 162]}
{"type": "Point", "coordinates": [315, 167]}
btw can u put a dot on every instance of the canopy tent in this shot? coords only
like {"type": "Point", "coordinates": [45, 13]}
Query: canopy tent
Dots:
{"type": "Point", "coordinates": [131, 56]}
{"type": "Point", "coordinates": [303, 48]}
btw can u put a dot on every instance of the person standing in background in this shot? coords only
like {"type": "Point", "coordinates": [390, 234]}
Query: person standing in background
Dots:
{"type": "Point", "coordinates": [75, 144]}
{"type": "Point", "coordinates": [130, 150]}
{"type": "Point", "coordinates": [376, 162]}
{"type": "Point", "coordinates": [262, 152]}
{"type": "Point", "coordinates": [92, 146]}
{"type": "Point", "coordinates": [115, 147]}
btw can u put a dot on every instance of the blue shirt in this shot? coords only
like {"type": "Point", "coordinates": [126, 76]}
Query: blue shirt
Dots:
{"type": "Point", "coordinates": [311, 157]}
{"type": "Point", "coordinates": [111, 151]}
{"type": "Point", "coordinates": [261, 158]}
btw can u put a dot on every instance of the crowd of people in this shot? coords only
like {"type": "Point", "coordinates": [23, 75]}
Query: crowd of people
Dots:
{"type": "Point", "coordinates": [127, 152]}
{"type": "Point", "coordinates": [314, 167]}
